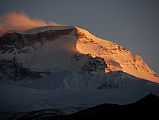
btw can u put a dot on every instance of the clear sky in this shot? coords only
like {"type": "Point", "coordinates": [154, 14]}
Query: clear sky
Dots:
{"type": "Point", "coordinates": [133, 24]}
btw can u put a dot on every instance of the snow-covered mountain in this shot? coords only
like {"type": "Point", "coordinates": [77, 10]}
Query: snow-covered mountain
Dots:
{"type": "Point", "coordinates": [67, 68]}
{"type": "Point", "coordinates": [40, 52]}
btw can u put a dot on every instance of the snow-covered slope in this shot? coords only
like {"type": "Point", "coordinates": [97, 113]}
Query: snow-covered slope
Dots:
{"type": "Point", "coordinates": [115, 56]}
{"type": "Point", "coordinates": [41, 52]}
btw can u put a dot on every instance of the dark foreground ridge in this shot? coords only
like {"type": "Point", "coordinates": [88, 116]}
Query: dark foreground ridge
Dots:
{"type": "Point", "coordinates": [146, 107]}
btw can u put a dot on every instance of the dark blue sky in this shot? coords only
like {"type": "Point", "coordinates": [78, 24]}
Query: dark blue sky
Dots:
{"type": "Point", "coordinates": [132, 23]}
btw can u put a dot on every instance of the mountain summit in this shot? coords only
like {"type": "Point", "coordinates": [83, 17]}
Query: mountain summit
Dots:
{"type": "Point", "coordinates": [115, 56]}
{"type": "Point", "coordinates": [75, 53]}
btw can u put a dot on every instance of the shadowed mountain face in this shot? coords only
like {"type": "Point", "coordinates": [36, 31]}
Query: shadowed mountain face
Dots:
{"type": "Point", "coordinates": [22, 43]}
{"type": "Point", "coordinates": [146, 107]}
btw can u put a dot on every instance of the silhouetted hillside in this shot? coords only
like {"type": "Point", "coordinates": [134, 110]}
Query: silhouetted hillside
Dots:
{"type": "Point", "coordinates": [146, 107]}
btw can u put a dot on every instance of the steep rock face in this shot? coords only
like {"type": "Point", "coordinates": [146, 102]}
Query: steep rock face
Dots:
{"type": "Point", "coordinates": [40, 50]}
{"type": "Point", "coordinates": [16, 43]}
{"type": "Point", "coordinates": [89, 64]}
{"type": "Point", "coordinates": [115, 56]}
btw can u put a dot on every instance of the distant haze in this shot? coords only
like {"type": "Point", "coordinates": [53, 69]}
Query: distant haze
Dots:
{"type": "Point", "coordinates": [132, 23]}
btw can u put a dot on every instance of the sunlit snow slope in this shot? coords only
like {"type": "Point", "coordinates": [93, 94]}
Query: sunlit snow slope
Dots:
{"type": "Point", "coordinates": [115, 56]}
